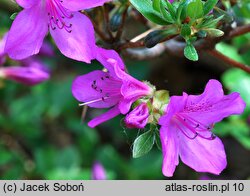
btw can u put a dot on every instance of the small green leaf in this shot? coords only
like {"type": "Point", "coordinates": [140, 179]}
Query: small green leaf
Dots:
{"type": "Point", "coordinates": [185, 31]}
{"type": "Point", "coordinates": [166, 15]}
{"type": "Point", "coordinates": [227, 16]}
{"type": "Point", "coordinates": [210, 22]}
{"type": "Point", "coordinates": [146, 9]}
{"type": "Point", "coordinates": [143, 144]}
{"type": "Point", "coordinates": [170, 8]}
{"type": "Point", "coordinates": [195, 9]}
{"type": "Point", "coordinates": [157, 5]}
{"type": "Point", "coordinates": [158, 141]}
{"type": "Point", "coordinates": [209, 5]}
{"type": "Point", "coordinates": [190, 52]}
{"type": "Point", "coordinates": [13, 16]}
{"type": "Point", "coordinates": [214, 32]}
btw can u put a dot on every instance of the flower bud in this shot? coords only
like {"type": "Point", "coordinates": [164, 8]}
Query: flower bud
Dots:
{"type": "Point", "coordinates": [154, 38]}
{"type": "Point", "coordinates": [138, 117]}
{"type": "Point", "coordinates": [158, 36]}
{"type": "Point", "coordinates": [98, 172]}
{"type": "Point", "coordinates": [115, 21]}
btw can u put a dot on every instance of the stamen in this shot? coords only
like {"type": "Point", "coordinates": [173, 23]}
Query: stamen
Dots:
{"type": "Point", "coordinates": [192, 138]}
{"type": "Point", "coordinates": [57, 14]}
{"type": "Point", "coordinates": [192, 129]}
{"type": "Point", "coordinates": [93, 101]}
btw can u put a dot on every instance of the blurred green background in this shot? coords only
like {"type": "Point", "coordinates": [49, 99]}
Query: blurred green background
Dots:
{"type": "Point", "coordinates": [42, 136]}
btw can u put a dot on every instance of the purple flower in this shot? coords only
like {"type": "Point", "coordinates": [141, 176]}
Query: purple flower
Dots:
{"type": "Point", "coordinates": [30, 71]}
{"type": "Point", "coordinates": [32, 74]}
{"type": "Point", "coordinates": [186, 129]}
{"type": "Point", "coordinates": [113, 89]}
{"type": "Point", "coordinates": [72, 31]}
{"type": "Point", "coordinates": [98, 172]}
{"type": "Point", "coordinates": [138, 117]}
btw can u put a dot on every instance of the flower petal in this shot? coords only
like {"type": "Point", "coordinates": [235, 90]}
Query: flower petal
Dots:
{"type": "Point", "coordinates": [27, 3]}
{"type": "Point", "coordinates": [229, 105]}
{"type": "Point", "coordinates": [203, 155]}
{"type": "Point", "coordinates": [132, 89]}
{"type": "Point", "coordinates": [109, 59]}
{"type": "Point", "coordinates": [27, 32]}
{"type": "Point", "coordinates": [95, 86]}
{"type": "Point", "coordinates": [33, 73]}
{"type": "Point", "coordinates": [76, 5]}
{"type": "Point", "coordinates": [138, 117]}
{"type": "Point", "coordinates": [212, 93]}
{"type": "Point", "coordinates": [176, 104]}
{"type": "Point", "coordinates": [113, 112]}
{"type": "Point", "coordinates": [79, 43]}
{"type": "Point", "coordinates": [170, 149]}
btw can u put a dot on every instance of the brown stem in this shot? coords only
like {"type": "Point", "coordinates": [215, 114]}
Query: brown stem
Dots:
{"type": "Point", "coordinates": [140, 43]}
{"type": "Point", "coordinates": [137, 44]}
{"type": "Point", "coordinates": [229, 61]}
{"type": "Point", "coordinates": [239, 31]}
{"type": "Point", "coordinates": [100, 33]}
{"type": "Point", "coordinates": [105, 12]}
{"type": "Point", "coordinates": [120, 30]}
{"type": "Point", "coordinates": [97, 29]}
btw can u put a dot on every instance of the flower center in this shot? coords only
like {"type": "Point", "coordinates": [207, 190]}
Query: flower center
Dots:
{"type": "Point", "coordinates": [192, 128]}
{"type": "Point", "coordinates": [58, 15]}
{"type": "Point", "coordinates": [107, 87]}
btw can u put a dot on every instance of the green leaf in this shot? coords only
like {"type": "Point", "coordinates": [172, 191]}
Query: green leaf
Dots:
{"type": "Point", "coordinates": [170, 8]}
{"type": "Point", "coordinates": [13, 16]}
{"type": "Point", "coordinates": [195, 9]}
{"type": "Point", "coordinates": [146, 9]}
{"type": "Point", "coordinates": [158, 141]}
{"type": "Point", "coordinates": [214, 32]}
{"type": "Point", "coordinates": [209, 5]}
{"type": "Point", "coordinates": [185, 31]}
{"type": "Point", "coordinates": [190, 52]}
{"type": "Point", "coordinates": [143, 144]}
{"type": "Point", "coordinates": [165, 14]}
{"type": "Point", "coordinates": [210, 22]}
{"type": "Point", "coordinates": [238, 81]}
{"type": "Point", "coordinates": [157, 5]}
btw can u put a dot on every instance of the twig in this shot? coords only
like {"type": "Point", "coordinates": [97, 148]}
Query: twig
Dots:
{"type": "Point", "coordinates": [105, 12]}
{"type": "Point", "coordinates": [229, 61]}
{"type": "Point", "coordinates": [120, 30]}
{"type": "Point", "coordinates": [97, 29]}
{"type": "Point", "coordinates": [239, 31]}
{"type": "Point", "coordinates": [129, 44]}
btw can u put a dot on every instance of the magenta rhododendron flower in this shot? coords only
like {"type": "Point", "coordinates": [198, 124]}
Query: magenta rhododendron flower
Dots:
{"type": "Point", "coordinates": [34, 73]}
{"type": "Point", "coordinates": [98, 172]}
{"type": "Point", "coordinates": [72, 31]}
{"type": "Point", "coordinates": [138, 117]}
{"type": "Point", "coordinates": [186, 129]}
{"type": "Point", "coordinates": [113, 89]}
{"type": "Point", "coordinates": [30, 71]}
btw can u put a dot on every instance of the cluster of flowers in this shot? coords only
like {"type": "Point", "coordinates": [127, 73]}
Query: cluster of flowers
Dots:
{"type": "Point", "coordinates": [186, 121]}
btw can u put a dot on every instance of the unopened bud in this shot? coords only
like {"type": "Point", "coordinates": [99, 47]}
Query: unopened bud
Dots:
{"type": "Point", "coordinates": [115, 21]}
{"type": "Point", "coordinates": [154, 38]}
{"type": "Point", "coordinates": [138, 117]}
